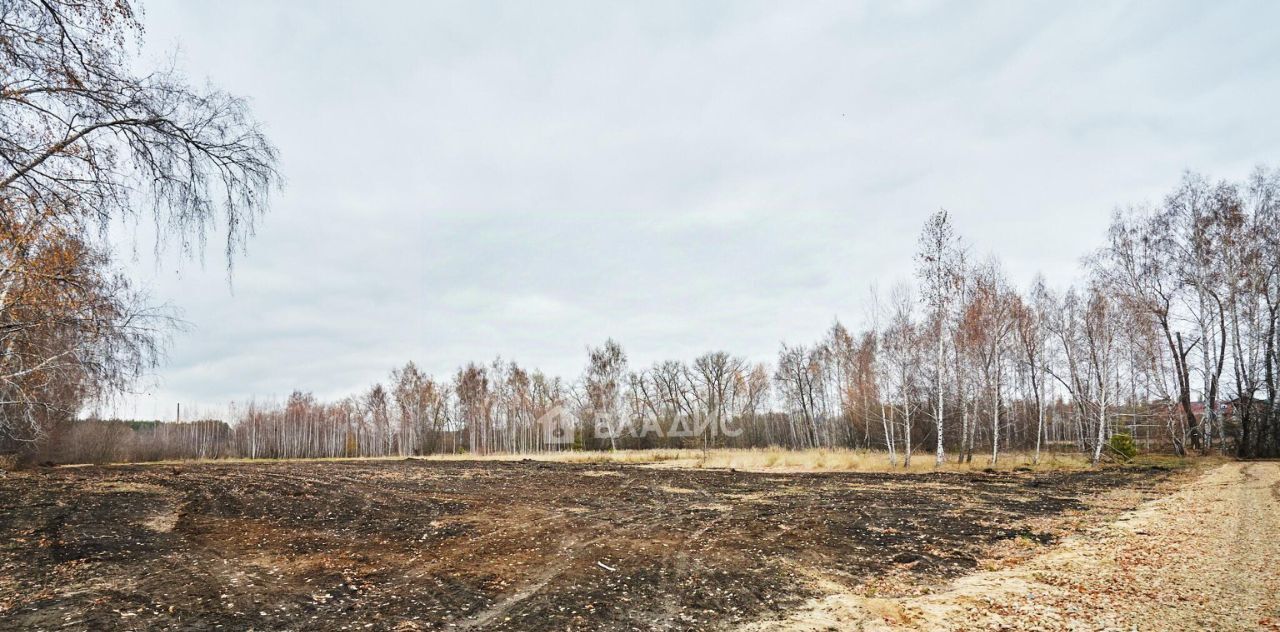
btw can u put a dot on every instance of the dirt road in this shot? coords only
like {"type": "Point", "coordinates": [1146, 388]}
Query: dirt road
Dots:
{"type": "Point", "coordinates": [1204, 558]}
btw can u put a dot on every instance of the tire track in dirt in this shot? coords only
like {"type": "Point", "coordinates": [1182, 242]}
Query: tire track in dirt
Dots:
{"type": "Point", "coordinates": [531, 588]}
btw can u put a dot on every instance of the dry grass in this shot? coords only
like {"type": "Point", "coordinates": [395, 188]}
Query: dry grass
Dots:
{"type": "Point", "coordinates": [874, 461]}
{"type": "Point", "coordinates": [771, 460]}
{"type": "Point", "coordinates": [568, 456]}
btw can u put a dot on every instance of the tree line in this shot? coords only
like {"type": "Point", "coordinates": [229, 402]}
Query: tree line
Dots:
{"type": "Point", "coordinates": [1171, 338]}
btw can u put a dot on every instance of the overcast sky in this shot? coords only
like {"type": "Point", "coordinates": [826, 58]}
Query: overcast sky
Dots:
{"type": "Point", "coordinates": [471, 179]}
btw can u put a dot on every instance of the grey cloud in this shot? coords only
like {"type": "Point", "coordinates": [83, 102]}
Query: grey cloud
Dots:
{"type": "Point", "coordinates": [524, 179]}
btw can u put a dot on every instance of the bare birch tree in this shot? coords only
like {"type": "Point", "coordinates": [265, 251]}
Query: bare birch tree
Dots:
{"type": "Point", "coordinates": [85, 141]}
{"type": "Point", "coordinates": [939, 264]}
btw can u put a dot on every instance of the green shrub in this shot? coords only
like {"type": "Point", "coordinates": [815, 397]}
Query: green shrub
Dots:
{"type": "Point", "coordinates": [1123, 447]}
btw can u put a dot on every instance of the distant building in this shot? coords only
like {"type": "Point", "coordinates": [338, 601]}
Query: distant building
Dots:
{"type": "Point", "coordinates": [1225, 410]}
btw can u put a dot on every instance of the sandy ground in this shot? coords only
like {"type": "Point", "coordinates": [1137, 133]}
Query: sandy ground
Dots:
{"type": "Point", "coordinates": [1204, 558]}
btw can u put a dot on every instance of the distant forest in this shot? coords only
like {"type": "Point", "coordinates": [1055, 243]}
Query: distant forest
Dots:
{"type": "Point", "coordinates": [1172, 340]}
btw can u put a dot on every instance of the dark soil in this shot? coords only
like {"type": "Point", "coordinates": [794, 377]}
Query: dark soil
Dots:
{"type": "Point", "coordinates": [415, 544]}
